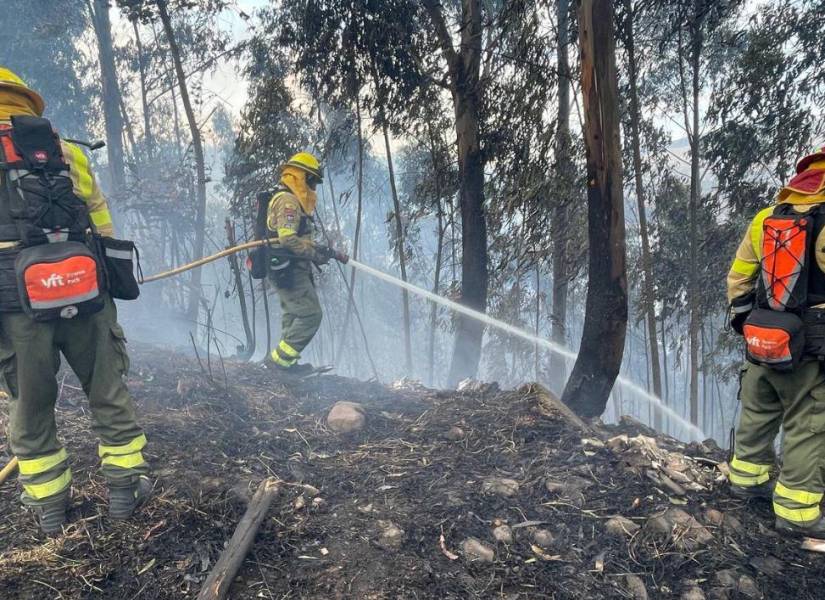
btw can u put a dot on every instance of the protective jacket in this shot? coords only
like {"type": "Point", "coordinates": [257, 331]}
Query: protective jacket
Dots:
{"type": "Point", "coordinates": [289, 219]}
{"type": "Point", "coordinates": [778, 280]}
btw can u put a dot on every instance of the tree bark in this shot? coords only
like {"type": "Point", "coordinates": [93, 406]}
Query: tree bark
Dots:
{"type": "Point", "coordinates": [236, 273]}
{"type": "Point", "coordinates": [357, 237]}
{"type": "Point", "coordinates": [217, 584]}
{"type": "Point", "coordinates": [402, 260]}
{"type": "Point", "coordinates": [558, 227]}
{"type": "Point", "coordinates": [649, 299]}
{"type": "Point", "coordinates": [148, 139]}
{"type": "Point", "coordinates": [200, 166]}
{"type": "Point", "coordinates": [111, 96]}
{"type": "Point", "coordinates": [605, 321]}
{"type": "Point", "coordinates": [464, 69]}
{"type": "Point", "coordinates": [695, 191]}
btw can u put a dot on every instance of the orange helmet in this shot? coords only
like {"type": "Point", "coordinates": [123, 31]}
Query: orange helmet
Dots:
{"type": "Point", "coordinates": [817, 155]}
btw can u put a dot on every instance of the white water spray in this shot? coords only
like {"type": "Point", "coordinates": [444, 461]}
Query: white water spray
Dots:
{"type": "Point", "coordinates": [526, 335]}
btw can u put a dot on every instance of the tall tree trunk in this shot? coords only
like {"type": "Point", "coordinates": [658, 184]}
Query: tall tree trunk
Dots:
{"type": "Point", "coordinates": [402, 260]}
{"type": "Point", "coordinates": [558, 227]}
{"type": "Point", "coordinates": [464, 69]}
{"type": "Point", "coordinates": [695, 191]}
{"type": "Point", "coordinates": [605, 320]}
{"type": "Point", "coordinates": [357, 236]}
{"type": "Point", "coordinates": [148, 139]}
{"type": "Point", "coordinates": [111, 95]}
{"type": "Point", "coordinates": [649, 299]}
{"type": "Point", "coordinates": [197, 147]}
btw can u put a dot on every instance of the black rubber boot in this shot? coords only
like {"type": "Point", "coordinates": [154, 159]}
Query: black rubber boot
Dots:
{"type": "Point", "coordinates": [815, 530]}
{"type": "Point", "coordinates": [124, 500]}
{"type": "Point", "coordinates": [763, 491]}
{"type": "Point", "coordinates": [51, 516]}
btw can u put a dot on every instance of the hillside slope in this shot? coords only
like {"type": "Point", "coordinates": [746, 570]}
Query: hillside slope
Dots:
{"type": "Point", "coordinates": [528, 505]}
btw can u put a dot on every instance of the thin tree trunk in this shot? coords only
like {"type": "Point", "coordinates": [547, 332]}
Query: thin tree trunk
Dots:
{"type": "Point", "coordinates": [442, 228]}
{"type": "Point", "coordinates": [464, 69]}
{"type": "Point", "coordinates": [402, 260]}
{"type": "Point", "coordinates": [148, 140]}
{"type": "Point", "coordinates": [665, 371]}
{"type": "Point", "coordinates": [357, 237]}
{"type": "Point", "coordinates": [111, 95]}
{"type": "Point", "coordinates": [197, 147]}
{"type": "Point", "coordinates": [649, 299]}
{"type": "Point", "coordinates": [236, 273]}
{"type": "Point", "coordinates": [605, 320]}
{"type": "Point", "coordinates": [538, 317]}
{"type": "Point", "coordinates": [695, 191]}
{"type": "Point", "coordinates": [559, 233]}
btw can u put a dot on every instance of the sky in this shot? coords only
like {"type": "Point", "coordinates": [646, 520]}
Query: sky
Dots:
{"type": "Point", "coordinates": [225, 83]}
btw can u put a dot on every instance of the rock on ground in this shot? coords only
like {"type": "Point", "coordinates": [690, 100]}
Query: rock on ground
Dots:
{"type": "Point", "coordinates": [500, 486]}
{"type": "Point", "coordinates": [621, 526]}
{"type": "Point", "coordinates": [636, 587]}
{"type": "Point", "coordinates": [477, 551]}
{"type": "Point", "coordinates": [346, 417]}
{"type": "Point", "coordinates": [503, 534]}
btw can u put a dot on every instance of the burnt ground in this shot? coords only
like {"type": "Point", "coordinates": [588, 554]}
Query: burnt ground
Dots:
{"type": "Point", "coordinates": [210, 446]}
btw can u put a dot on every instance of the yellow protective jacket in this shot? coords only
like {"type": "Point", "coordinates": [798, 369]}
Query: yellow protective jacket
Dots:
{"type": "Point", "coordinates": [293, 226]}
{"type": "Point", "coordinates": [85, 187]}
{"type": "Point", "coordinates": [744, 271]}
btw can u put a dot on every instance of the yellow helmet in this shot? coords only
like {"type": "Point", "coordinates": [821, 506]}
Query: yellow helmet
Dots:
{"type": "Point", "coordinates": [308, 163]}
{"type": "Point", "coordinates": [10, 81]}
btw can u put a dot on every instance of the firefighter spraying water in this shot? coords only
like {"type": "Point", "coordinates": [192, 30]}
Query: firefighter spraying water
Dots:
{"type": "Point", "coordinates": [691, 431]}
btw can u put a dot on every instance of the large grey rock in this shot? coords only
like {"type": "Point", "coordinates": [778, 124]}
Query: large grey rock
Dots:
{"type": "Point", "coordinates": [346, 417]}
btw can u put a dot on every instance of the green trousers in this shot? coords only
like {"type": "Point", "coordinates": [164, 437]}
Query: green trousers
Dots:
{"type": "Point", "coordinates": [796, 402]}
{"type": "Point", "coordinates": [301, 316]}
{"type": "Point", "coordinates": [95, 348]}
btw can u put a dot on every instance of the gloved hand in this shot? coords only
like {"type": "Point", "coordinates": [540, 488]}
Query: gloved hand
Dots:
{"type": "Point", "coordinates": [325, 253]}
{"type": "Point", "coordinates": [739, 310]}
{"type": "Point", "coordinates": [341, 257]}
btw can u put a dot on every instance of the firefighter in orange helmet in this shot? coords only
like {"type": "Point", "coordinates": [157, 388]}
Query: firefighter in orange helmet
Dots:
{"type": "Point", "coordinates": [776, 289]}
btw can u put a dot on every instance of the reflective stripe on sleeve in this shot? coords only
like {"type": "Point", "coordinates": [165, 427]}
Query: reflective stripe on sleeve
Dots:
{"type": "Point", "coordinates": [743, 267]}
{"type": "Point", "coordinates": [101, 217]}
{"type": "Point", "coordinates": [79, 171]}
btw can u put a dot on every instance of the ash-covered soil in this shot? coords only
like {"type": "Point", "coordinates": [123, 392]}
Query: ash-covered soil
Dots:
{"type": "Point", "coordinates": [473, 494]}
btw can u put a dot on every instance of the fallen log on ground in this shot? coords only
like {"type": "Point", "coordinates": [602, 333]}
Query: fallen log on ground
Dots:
{"type": "Point", "coordinates": [220, 578]}
{"type": "Point", "coordinates": [8, 470]}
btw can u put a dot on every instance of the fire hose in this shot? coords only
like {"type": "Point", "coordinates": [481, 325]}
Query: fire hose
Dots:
{"type": "Point", "coordinates": [205, 260]}
{"type": "Point", "coordinates": [8, 470]}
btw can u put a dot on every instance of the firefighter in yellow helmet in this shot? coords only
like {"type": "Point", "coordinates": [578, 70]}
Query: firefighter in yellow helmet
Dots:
{"type": "Point", "coordinates": [776, 287]}
{"type": "Point", "coordinates": [290, 220]}
{"type": "Point", "coordinates": [89, 338]}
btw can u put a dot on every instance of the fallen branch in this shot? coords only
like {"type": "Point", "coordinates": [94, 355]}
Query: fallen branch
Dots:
{"type": "Point", "coordinates": [8, 470]}
{"type": "Point", "coordinates": [220, 578]}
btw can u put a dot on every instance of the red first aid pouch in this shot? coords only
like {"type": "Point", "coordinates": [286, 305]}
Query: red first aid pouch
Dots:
{"type": "Point", "coordinates": [59, 280]}
{"type": "Point", "coordinates": [774, 339]}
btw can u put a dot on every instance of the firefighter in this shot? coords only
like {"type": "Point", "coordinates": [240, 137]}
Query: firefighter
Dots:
{"type": "Point", "coordinates": [92, 344]}
{"type": "Point", "coordinates": [289, 218]}
{"type": "Point", "coordinates": [776, 288]}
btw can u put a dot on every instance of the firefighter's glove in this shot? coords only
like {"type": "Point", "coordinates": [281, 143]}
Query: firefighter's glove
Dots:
{"type": "Point", "coordinates": [341, 257]}
{"type": "Point", "coordinates": [740, 309]}
{"type": "Point", "coordinates": [325, 253]}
